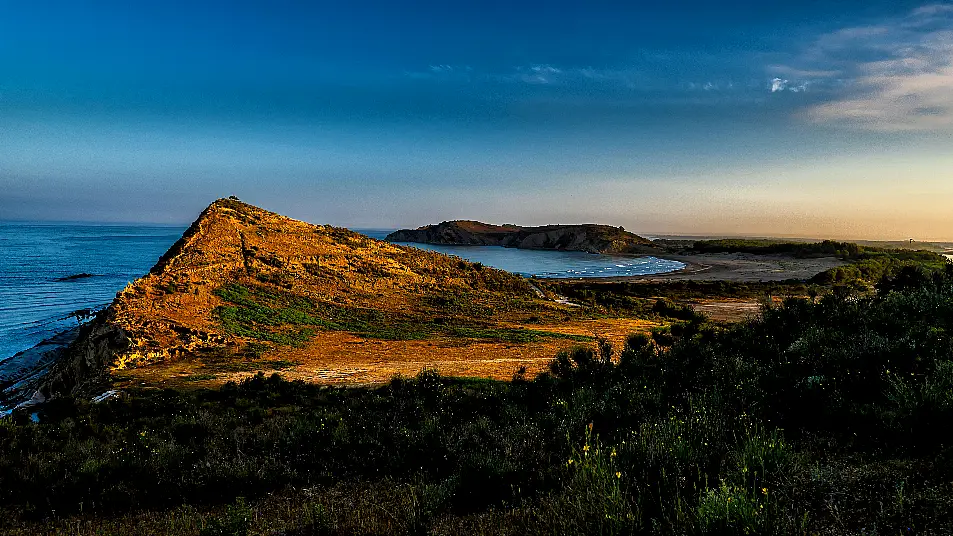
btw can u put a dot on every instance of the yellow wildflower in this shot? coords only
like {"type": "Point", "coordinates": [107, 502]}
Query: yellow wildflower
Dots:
{"type": "Point", "coordinates": [569, 462]}
{"type": "Point", "coordinates": [585, 448]}
{"type": "Point", "coordinates": [764, 490]}
{"type": "Point", "coordinates": [618, 474]}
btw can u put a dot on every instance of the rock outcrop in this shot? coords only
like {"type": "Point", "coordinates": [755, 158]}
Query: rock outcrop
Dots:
{"type": "Point", "coordinates": [590, 238]}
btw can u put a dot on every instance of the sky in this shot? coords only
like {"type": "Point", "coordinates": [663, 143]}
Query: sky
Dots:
{"type": "Point", "coordinates": [812, 119]}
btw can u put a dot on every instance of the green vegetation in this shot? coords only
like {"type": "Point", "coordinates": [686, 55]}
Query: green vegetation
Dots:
{"type": "Point", "coordinates": [871, 265]}
{"type": "Point", "coordinates": [642, 299]}
{"type": "Point", "coordinates": [199, 377]}
{"type": "Point", "coordinates": [584, 237]}
{"type": "Point", "coordinates": [287, 319]}
{"type": "Point", "coordinates": [867, 264]}
{"type": "Point", "coordinates": [827, 248]}
{"type": "Point", "coordinates": [821, 416]}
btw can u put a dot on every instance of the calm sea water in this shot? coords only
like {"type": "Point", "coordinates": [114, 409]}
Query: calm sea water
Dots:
{"type": "Point", "coordinates": [558, 264]}
{"type": "Point", "coordinates": [35, 303]}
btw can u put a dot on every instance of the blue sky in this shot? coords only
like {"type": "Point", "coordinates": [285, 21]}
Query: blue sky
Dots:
{"type": "Point", "coordinates": [829, 119]}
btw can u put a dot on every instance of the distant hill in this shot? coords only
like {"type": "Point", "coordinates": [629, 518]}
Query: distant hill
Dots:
{"type": "Point", "coordinates": [591, 238]}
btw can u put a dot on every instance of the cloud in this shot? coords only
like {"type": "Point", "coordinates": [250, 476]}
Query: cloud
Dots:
{"type": "Point", "coordinates": [536, 74]}
{"type": "Point", "coordinates": [932, 10]}
{"type": "Point", "coordinates": [793, 72]}
{"type": "Point", "coordinates": [545, 69]}
{"type": "Point", "coordinates": [533, 74]}
{"type": "Point", "coordinates": [895, 102]}
{"type": "Point", "coordinates": [596, 80]}
{"type": "Point", "coordinates": [443, 72]}
{"type": "Point", "coordinates": [893, 76]}
{"type": "Point", "coordinates": [776, 85]}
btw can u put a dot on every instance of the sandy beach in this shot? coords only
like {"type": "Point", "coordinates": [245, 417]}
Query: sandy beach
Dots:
{"type": "Point", "coordinates": [739, 267]}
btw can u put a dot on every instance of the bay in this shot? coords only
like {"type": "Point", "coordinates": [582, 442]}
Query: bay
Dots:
{"type": "Point", "coordinates": [545, 263]}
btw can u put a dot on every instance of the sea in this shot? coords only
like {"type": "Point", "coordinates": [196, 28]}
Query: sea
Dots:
{"type": "Point", "coordinates": [37, 294]}
{"type": "Point", "coordinates": [52, 273]}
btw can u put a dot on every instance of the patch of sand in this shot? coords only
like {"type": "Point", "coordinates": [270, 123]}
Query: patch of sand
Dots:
{"type": "Point", "coordinates": [741, 267]}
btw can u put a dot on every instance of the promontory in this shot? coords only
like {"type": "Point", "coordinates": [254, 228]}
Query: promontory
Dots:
{"type": "Point", "coordinates": [591, 238]}
{"type": "Point", "coordinates": [246, 289]}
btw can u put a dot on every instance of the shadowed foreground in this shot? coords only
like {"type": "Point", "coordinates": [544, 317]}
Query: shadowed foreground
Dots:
{"type": "Point", "coordinates": [828, 417]}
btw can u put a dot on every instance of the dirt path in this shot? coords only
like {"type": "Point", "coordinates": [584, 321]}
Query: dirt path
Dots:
{"type": "Point", "coordinates": [558, 299]}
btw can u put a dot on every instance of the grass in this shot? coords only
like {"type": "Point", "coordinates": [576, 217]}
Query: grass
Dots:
{"type": "Point", "coordinates": [513, 335]}
{"type": "Point", "coordinates": [199, 377]}
{"type": "Point", "coordinates": [642, 295]}
{"type": "Point", "coordinates": [824, 416]}
{"type": "Point", "coordinates": [251, 365]}
{"type": "Point", "coordinates": [283, 318]}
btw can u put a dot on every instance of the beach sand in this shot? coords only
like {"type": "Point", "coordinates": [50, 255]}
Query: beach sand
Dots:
{"type": "Point", "coordinates": [741, 267]}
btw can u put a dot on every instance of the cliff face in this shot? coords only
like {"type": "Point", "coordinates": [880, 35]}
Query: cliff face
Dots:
{"type": "Point", "coordinates": [590, 238]}
{"type": "Point", "coordinates": [243, 276]}
{"type": "Point", "coordinates": [82, 367]}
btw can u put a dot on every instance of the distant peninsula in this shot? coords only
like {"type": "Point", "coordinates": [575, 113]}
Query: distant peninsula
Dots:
{"type": "Point", "coordinates": [591, 238]}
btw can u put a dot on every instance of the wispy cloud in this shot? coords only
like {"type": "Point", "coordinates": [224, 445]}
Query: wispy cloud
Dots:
{"type": "Point", "coordinates": [443, 71]}
{"type": "Point", "coordinates": [532, 74]}
{"type": "Point", "coordinates": [633, 80]}
{"type": "Point", "coordinates": [536, 74]}
{"type": "Point", "coordinates": [781, 84]}
{"type": "Point", "coordinates": [893, 76]}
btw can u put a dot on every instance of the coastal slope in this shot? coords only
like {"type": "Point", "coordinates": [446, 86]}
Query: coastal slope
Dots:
{"type": "Point", "coordinates": [591, 238]}
{"type": "Point", "coordinates": [245, 289]}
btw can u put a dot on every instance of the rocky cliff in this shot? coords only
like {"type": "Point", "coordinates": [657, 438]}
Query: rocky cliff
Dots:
{"type": "Point", "coordinates": [590, 238]}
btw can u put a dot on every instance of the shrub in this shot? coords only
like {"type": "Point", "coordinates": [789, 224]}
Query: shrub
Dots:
{"type": "Point", "coordinates": [235, 521]}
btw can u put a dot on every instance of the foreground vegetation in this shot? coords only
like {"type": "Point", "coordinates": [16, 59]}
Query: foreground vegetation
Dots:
{"type": "Point", "coordinates": [644, 299]}
{"type": "Point", "coordinates": [825, 416]}
{"type": "Point", "coordinates": [866, 264]}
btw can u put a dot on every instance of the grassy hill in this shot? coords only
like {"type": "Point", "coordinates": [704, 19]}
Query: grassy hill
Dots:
{"type": "Point", "coordinates": [591, 238]}
{"type": "Point", "coordinates": [245, 289]}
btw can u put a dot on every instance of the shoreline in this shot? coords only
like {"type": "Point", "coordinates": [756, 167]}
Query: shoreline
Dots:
{"type": "Point", "coordinates": [20, 372]}
{"type": "Point", "coordinates": [733, 267]}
